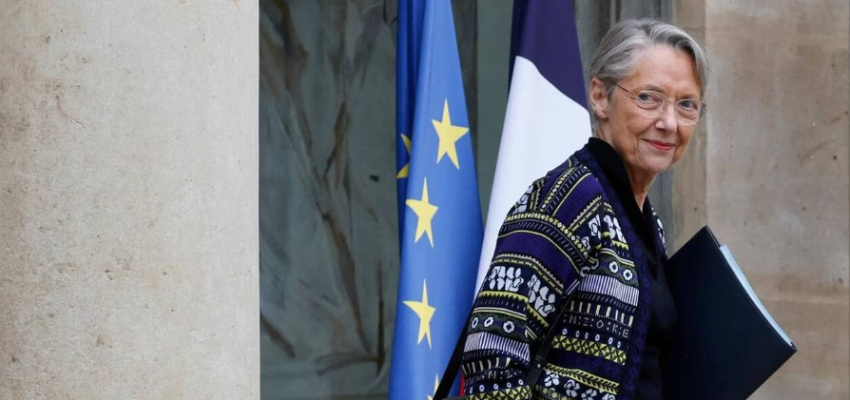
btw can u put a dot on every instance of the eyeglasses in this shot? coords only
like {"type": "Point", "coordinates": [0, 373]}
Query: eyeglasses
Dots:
{"type": "Point", "coordinates": [688, 111]}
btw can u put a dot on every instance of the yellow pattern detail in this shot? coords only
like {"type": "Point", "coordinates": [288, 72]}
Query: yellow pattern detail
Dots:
{"type": "Point", "coordinates": [510, 295]}
{"type": "Point", "coordinates": [552, 394]}
{"type": "Point", "coordinates": [548, 239]}
{"type": "Point", "coordinates": [566, 196]}
{"type": "Point", "coordinates": [554, 189]}
{"type": "Point", "coordinates": [588, 212]}
{"type": "Point", "coordinates": [620, 260]}
{"type": "Point", "coordinates": [619, 244]}
{"type": "Point", "coordinates": [536, 315]}
{"type": "Point", "coordinates": [586, 378]}
{"type": "Point", "coordinates": [505, 394]}
{"type": "Point", "coordinates": [502, 311]}
{"type": "Point", "coordinates": [590, 348]}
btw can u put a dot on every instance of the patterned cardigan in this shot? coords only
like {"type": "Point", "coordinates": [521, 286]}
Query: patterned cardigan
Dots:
{"type": "Point", "coordinates": [562, 245]}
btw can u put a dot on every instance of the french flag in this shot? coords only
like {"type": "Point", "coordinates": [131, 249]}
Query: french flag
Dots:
{"type": "Point", "coordinates": [547, 118]}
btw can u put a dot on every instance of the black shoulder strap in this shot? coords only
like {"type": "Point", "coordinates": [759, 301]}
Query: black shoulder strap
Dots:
{"type": "Point", "coordinates": [454, 364]}
{"type": "Point", "coordinates": [537, 361]}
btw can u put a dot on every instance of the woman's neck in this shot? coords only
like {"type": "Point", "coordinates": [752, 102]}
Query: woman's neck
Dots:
{"type": "Point", "coordinates": [640, 186]}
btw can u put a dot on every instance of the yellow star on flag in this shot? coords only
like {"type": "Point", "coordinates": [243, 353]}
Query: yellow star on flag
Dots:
{"type": "Point", "coordinates": [449, 135]}
{"type": "Point", "coordinates": [436, 385]}
{"type": "Point", "coordinates": [425, 313]}
{"type": "Point", "coordinates": [425, 211]}
{"type": "Point", "coordinates": [405, 171]}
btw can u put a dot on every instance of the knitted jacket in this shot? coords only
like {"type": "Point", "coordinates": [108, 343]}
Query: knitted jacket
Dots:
{"type": "Point", "coordinates": [566, 243]}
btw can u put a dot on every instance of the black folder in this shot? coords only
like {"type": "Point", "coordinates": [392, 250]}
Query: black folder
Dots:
{"type": "Point", "coordinates": [726, 344]}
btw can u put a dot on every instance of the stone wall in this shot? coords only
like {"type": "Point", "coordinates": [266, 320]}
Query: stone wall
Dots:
{"type": "Point", "coordinates": [128, 200]}
{"type": "Point", "coordinates": [768, 171]}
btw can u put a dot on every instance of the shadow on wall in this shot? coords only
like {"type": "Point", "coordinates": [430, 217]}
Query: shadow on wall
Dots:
{"type": "Point", "coordinates": [328, 246]}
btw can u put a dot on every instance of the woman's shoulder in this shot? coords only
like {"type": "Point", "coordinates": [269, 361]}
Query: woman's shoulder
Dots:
{"type": "Point", "coordinates": [571, 184]}
{"type": "Point", "coordinates": [565, 192]}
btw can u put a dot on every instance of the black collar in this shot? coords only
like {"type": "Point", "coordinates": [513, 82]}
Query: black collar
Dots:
{"type": "Point", "coordinates": [642, 221]}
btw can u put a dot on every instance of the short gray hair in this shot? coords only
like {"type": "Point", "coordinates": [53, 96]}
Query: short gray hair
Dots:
{"type": "Point", "coordinates": [619, 51]}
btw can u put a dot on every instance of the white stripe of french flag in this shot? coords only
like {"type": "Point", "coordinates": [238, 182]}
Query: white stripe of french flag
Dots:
{"type": "Point", "coordinates": [546, 119]}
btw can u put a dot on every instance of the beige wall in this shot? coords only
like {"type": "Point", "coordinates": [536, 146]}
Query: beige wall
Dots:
{"type": "Point", "coordinates": [128, 200]}
{"type": "Point", "coordinates": [769, 172]}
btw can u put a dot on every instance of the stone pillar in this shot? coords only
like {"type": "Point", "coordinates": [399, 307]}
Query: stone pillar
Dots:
{"type": "Point", "coordinates": [769, 172]}
{"type": "Point", "coordinates": [689, 174]}
{"type": "Point", "coordinates": [128, 200]}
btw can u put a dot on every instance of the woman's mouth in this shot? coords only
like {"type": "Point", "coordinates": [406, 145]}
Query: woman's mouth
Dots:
{"type": "Point", "coordinates": [663, 146]}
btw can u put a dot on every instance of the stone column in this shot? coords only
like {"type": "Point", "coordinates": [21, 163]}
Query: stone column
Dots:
{"type": "Point", "coordinates": [689, 174]}
{"type": "Point", "coordinates": [128, 200]}
{"type": "Point", "coordinates": [769, 172]}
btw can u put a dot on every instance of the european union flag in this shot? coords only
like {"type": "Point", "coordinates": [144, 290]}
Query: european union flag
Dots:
{"type": "Point", "coordinates": [440, 216]}
{"type": "Point", "coordinates": [411, 15]}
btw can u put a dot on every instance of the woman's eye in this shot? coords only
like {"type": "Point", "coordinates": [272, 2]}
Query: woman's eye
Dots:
{"type": "Point", "coordinates": [648, 98]}
{"type": "Point", "coordinates": [688, 105]}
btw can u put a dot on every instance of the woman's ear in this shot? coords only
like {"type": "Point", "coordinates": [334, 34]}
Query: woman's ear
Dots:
{"type": "Point", "coordinates": [598, 99]}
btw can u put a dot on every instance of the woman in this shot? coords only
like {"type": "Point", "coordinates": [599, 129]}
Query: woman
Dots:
{"type": "Point", "coordinates": [585, 239]}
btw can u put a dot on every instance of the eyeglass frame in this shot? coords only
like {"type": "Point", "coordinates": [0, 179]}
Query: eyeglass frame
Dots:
{"type": "Point", "coordinates": [665, 102]}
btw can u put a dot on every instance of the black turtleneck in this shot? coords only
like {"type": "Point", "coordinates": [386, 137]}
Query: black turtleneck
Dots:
{"type": "Point", "coordinates": [663, 313]}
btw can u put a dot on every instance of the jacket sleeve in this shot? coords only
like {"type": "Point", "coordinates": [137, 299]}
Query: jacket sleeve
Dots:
{"type": "Point", "coordinates": [540, 257]}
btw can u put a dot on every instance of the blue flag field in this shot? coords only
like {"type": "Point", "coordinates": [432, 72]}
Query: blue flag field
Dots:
{"type": "Point", "coordinates": [439, 212]}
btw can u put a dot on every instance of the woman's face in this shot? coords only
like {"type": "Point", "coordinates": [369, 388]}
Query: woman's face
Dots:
{"type": "Point", "coordinates": [648, 145]}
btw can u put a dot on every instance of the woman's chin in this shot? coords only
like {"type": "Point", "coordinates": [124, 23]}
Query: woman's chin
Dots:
{"type": "Point", "coordinates": [656, 165]}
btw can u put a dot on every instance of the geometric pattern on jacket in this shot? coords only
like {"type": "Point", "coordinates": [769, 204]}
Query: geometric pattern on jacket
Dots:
{"type": "Point", "coordinates": [565, 243]}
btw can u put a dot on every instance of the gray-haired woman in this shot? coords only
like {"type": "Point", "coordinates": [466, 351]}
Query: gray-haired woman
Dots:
{"type": "Point", "coordinates": [587, 241]}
